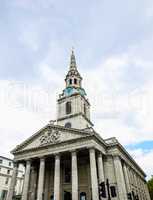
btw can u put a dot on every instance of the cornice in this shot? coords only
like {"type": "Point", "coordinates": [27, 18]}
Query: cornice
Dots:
{"type": "Point", "coordinates": [123, 151]}
{"type": "Point", "coordinates": [75, 115]}
{"type": "Point", "coordinates": [52, 145]}
{"type": "Point", "coordinates": [75, 94]}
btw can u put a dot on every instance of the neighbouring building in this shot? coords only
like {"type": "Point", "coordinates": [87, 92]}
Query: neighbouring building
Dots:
{"type": "Point", "coordinates": [6, 172]}
{"type": "Point", "coordinates": [68, 160]}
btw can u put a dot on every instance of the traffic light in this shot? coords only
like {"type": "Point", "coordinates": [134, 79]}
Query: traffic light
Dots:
{"type": "Point", "coordinates": [102, 190]}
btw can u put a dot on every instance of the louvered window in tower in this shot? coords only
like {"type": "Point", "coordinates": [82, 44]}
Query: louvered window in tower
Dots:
{"type": "Point", "coordinates": [68, 107]}
{"type": "Point", "coordinates": [75, 81]}
{"type": "Point", "coordinates": [70, 81]}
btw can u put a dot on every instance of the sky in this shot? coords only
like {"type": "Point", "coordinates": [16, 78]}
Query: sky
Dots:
{"type": "Point", "coordinates": [113, 44]}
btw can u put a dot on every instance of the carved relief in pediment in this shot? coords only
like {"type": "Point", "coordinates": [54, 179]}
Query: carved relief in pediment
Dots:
{"type": "Point", "coordinates": [51, 136]}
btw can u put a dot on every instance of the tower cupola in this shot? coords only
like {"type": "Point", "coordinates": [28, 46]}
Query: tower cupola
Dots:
{"type": "Point", "coordinates": [73, 77]}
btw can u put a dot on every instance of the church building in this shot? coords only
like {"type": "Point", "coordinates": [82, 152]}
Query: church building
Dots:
{"type": "Point", "coordinates": [68, 160]}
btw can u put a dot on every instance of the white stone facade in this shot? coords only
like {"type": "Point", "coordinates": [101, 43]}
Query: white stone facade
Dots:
{"type": "Point", "coordinates": [6, 171]}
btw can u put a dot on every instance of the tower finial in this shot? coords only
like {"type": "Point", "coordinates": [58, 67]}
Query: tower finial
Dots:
{"type": "Point", "coordinates": [72, 60]}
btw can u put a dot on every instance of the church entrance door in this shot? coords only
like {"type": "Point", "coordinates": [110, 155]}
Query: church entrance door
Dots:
{"type": "Point", "coordinates": [67, 195]}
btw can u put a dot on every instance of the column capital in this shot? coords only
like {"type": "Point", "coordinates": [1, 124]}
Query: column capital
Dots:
{"type": "Point", "coordinates": [42, 158]}
{"type": "Point", "coordinates": [57, 155]}
{"type": "Point", "coordinates": [74, 152]}
{"type": "Point", "coordinates": [100, 154]}
{"type": "Point", "coordinates": [28, 161]}
{"type": "Point", "coordinates": [92, 149]}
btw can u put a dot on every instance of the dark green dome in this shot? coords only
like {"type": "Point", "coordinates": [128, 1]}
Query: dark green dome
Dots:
{"type": "Point", "coordinates": [72, 90]}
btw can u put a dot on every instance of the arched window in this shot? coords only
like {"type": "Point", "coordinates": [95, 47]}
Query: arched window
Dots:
{"type": "Point", "coordinates": [75, 81]}
{"type": "Point", "coordinates": [68, 125]}
{"type": "Point", "coordinates": [70, 81]}
{"type": "Point", "coordinates": [68, 107]}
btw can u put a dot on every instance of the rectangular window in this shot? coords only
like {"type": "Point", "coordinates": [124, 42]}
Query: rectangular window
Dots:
{"type": "Point", "coordinates": [8, 171]}
{"type": "Point", "coordinates": [10, 163]}
{"type": "Point", "coordinates": [113, 191]}
{"type": "Point", "coordinates": [6, 181]}
{"type": "Point", "coordinates": [3, 194]}
{"type": "Point", "coordinates": [1, 161]}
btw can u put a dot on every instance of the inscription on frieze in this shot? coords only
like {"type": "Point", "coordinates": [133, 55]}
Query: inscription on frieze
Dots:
{"type": "Point", "coordinates": [51, 136]}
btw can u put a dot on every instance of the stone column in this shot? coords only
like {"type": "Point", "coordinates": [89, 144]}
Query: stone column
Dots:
{"type": "Point", "coordinates": [120, 178]}
{"type": "Point", "coordinates": [33, 184]}
{"type": "Point", "coordinates": [93, 171]}
{"type": "Point", "coordinates": [26, 180]}
{"type": "Point", "coordinates": [13, 182]}
{"type": "Point", "coordinates": [74, 176]}
{"type": "Point", "coordinates": [41, 179]}
{"type": "Point", "coordinates": [100, 168]}
{"type": "Point", "coordinates": [57, 178]}
{"type": "Point", "coordinates": [126, 178]}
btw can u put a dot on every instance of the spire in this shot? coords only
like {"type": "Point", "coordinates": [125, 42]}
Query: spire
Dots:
{"type": "Point", "coordinates": [73, 61]}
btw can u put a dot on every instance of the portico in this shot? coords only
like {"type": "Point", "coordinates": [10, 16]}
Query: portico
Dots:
{"type": "Point", "coordinates": [66, 175]}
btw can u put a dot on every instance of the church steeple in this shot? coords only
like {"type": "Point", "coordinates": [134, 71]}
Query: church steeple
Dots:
{"type": "Point", "coordinates": [73, 106]}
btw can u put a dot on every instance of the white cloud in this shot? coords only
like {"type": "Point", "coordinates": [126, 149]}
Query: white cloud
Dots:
{"type": "Point", "coordinates": [119, 110]}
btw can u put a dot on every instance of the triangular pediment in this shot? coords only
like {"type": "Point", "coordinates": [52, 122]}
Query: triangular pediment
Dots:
{"type": "Point", "coordinates": [50, 135]}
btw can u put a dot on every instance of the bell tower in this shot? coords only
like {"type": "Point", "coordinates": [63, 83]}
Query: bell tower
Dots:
{"type": "Point", "coordinates": [73, 106]}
